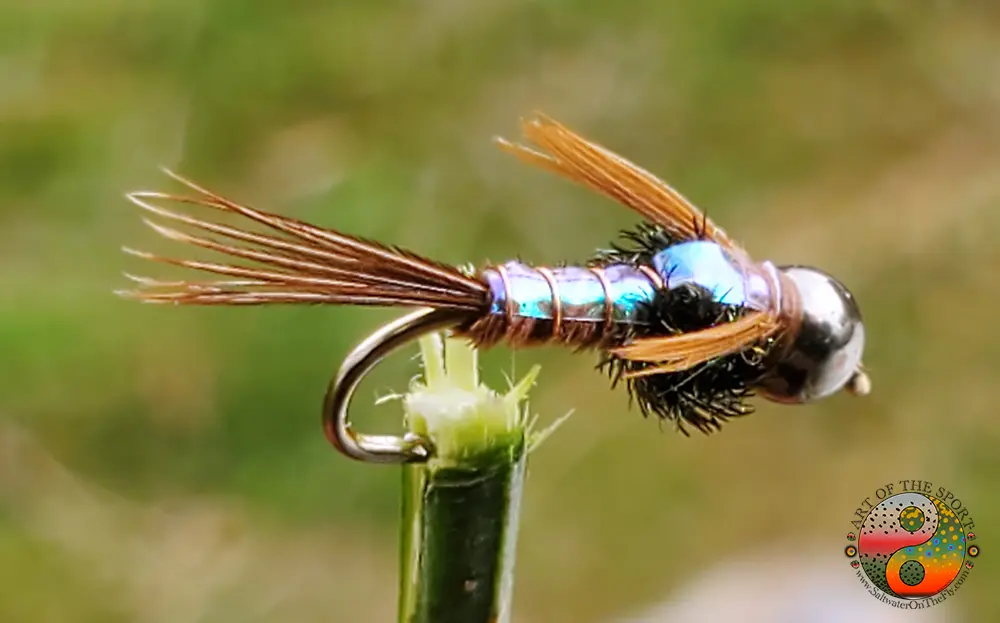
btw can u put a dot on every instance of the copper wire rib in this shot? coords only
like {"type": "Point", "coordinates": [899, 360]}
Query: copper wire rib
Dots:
{"type": "Point", "coordinates": [654, 277]}
{"type": "Point", "coordinates": [609, 305]}
{"type": "Point", "coordinates": [508, 293]}
{"type": "Point", "coordinates": [557, 311]}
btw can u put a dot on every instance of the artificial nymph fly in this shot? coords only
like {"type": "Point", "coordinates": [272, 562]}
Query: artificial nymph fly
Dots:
{"type": "Point", "coordinates": [691, 323]}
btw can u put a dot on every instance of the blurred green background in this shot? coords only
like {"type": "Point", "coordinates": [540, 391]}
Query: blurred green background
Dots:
{"type": "Point", "coordinates": [167, 464]}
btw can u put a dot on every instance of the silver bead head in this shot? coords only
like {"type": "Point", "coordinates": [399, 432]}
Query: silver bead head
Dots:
{"type": "Point", "coordinates": [826, 354]}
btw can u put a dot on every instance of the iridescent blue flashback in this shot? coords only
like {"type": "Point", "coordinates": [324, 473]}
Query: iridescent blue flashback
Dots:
{"type": "Point", "coordinates": [628, 288]}
{"type": "Point", "coordinates": [584, 293]}
{"type": "Point", "coordinates": [710, 266]}
{"type": "Point", "coordinates": [705, 264]}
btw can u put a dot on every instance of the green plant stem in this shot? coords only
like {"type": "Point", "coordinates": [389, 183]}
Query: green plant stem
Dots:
{"type": "Point", "coordinates": [460, 562]}
{"type": "Point", "coordinates": [461, 508]}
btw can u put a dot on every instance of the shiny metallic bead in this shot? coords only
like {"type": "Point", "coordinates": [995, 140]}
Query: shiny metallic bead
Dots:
{"type": "Point", "coordinates": [826, 354]}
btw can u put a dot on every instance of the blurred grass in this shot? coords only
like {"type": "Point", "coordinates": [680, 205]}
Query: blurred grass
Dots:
{"type": "Point", "coordinates": [167, 464]}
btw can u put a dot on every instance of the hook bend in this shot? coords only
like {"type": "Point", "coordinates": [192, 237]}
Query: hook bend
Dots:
{"type": "Point", "coordinates": [409, 448]}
